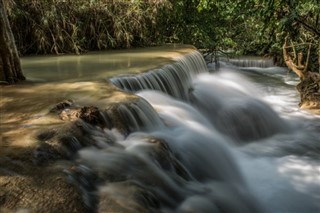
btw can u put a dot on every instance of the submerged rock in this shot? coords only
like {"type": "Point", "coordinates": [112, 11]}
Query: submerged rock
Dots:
{"type": "Point", "coordinates": [65, 141]}
{"type": "Point", "coordinates": [62, 105]}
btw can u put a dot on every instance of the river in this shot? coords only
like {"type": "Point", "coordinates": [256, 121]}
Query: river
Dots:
{"type": "Point", "coordinates": [232, 140]}
{"type": "Point", "coordinates": [240, 134]}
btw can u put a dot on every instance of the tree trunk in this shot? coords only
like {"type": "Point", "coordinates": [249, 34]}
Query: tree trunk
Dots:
{"type": "Point", "coordinates": [290, 62]}
{"type": "Point", "coordinates": [10, 67]}
{"type": "Point", "coordinates": [309, 85]}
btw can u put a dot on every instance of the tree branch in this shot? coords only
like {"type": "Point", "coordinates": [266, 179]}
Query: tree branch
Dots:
{"type": "Point", "coordinates": [289, 62]}
{"type": "Point", "coordinates": [307, 60]}
{"type": "Point", "coordinates": [294, 51]}
{"type": "Point", "coordinates": [301, 44]}
{"type": "Point", "coordinates": [308, 27]}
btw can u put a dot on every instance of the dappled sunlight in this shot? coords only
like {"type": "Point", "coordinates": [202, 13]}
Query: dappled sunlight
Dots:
{"type": "Point", "coordinates": [14, 138]}
{"type": "Point", "coordinates": [24, 108]}
{"type": "Point", "coordinates": [4, 101]}
{"type": "Point", "coordinates": [303, 173]}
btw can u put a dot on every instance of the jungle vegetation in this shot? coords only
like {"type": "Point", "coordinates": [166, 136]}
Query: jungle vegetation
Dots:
{"type": "Point", "coordinates": [255, 27]}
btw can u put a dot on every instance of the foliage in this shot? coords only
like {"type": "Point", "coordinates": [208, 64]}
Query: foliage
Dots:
{"type": "Point", "coordinates": [59, 26]}
{"type": "Point", "coordinates": [67, 26]}
{"type": "Point", "coordinates": [247, 27]}
{"type": "Point", "coordinates": [299, 19]}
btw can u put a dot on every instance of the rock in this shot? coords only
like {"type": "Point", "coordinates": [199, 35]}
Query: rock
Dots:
{"type": "Point", "coordinates": [92, 115]}
{"type": "Point", "coordinates": [62, 105]}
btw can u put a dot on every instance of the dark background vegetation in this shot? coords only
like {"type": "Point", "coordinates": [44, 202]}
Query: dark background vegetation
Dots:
{"type": "Point", "coordinates": [255, 27]}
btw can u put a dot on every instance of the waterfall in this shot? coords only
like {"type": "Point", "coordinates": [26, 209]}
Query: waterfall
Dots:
{"type": "Point", "coordinates": [174, 79]}
{"type": "Point", "coordinates": [251, 62]}
{"type": "Point", "coordinates": [199, 142]}
{"type": "Point", "coordinates": [137, 115]}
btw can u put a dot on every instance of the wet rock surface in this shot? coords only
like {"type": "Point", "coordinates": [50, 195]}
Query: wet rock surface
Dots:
{"type": "Point", "coordinates": [87, 128]}
{"type": "Point", "coordinates": [33, 179]}
{"type": "Point", "coordinates": [24, 186]}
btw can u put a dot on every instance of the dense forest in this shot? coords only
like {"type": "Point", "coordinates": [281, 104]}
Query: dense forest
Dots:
{"type": "Point", "coordinates": [248, 27]}
{"type": "Point", "coordinates": [288, 31]}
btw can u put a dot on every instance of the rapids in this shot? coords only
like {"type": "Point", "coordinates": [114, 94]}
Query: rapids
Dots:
{"type": "Point", "coordinates": [229, 141]}
{"type": "Point", "coordinates": [192, 140]}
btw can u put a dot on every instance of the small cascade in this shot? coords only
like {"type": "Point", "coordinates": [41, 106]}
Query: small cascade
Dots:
{"type": "Point", "coordinates": [193, 142]}
{"type": "Point", "coordinates": [173, 79]}
{"type": "Point", "coordinates": [251, 62]}
{"type": "Point", "coordinates": [249, 120]}
{"type": "Point", "coordinates": [233, 108]}
{"type": "Point", "coordinates": [189, 80]}
{"type": "Point", "coordinates": [137, 116]}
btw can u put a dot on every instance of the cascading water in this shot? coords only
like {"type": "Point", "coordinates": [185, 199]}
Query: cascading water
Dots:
{"type": "Point", "coordinates": [173, 79]}
{"type": "Point", "coordinates": [215, 145]}
{"type": "Point", "coordinates": [251, 62]}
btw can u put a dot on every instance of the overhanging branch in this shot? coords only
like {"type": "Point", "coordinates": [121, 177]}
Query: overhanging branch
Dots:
{"type": "Point", "coordinates": [308, 27]}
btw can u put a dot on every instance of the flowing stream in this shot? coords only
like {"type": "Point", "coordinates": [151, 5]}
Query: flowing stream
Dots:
{"type": "Point", "coordinates": [232, 140]}
{"type": "Point", "coordinates": [229, 141]}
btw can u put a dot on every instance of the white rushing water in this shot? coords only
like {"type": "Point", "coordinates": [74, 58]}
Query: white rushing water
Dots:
{"type": "Point", "coordinates": [234, 141]}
